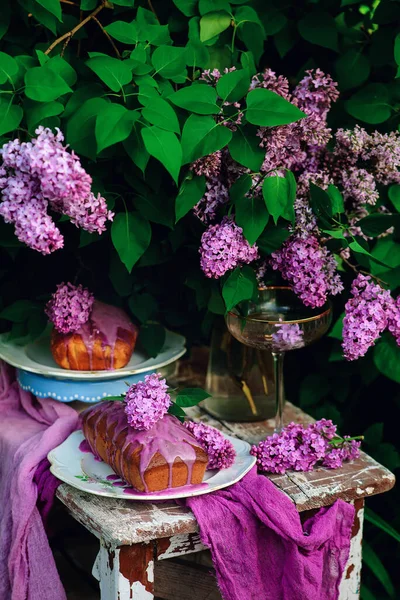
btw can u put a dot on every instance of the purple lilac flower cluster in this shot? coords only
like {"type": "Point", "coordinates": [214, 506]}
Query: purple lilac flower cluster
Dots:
{"type": "Point", "coordinates": [42, 174]}
{"type": "Point", "coordinates": [288, 336]}
{"type": "Point", "coordinates": [146, 402]}
{"type": "Point", "coordinates": [309, 268]}
{"type": "Point", "coordinates": [223, 247]}
{"type": "Point", "coordinates": [369, 311]}
{"type": "Point", "coordinates": [300, 448]}
{"type": "Point", "coordinates": [69, 307]}
{"type": "Point", "coordinates": [221, 453]}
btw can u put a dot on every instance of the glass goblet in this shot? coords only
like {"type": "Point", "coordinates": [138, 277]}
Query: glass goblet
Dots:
{"type": "Point", "coordinates": [278, 321]}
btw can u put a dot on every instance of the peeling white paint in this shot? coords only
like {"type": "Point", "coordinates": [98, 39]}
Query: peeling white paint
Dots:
{"type": "Point", "coordinates": [150, 571]}
{"type": "Point", "coordinates": [370, 490]}
{"type": "Point", "coordinates": [182, 544]}
{"type": "Point", "coordinates": [359, 491]}
{"type": "Point", "coordinates": [349, 588]}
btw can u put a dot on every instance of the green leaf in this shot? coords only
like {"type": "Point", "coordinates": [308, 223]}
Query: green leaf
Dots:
{"type": "Point", "coordinates": [269, 109]}
{"type": "Point", "coordinates": [36, 113]}
{"type": "Point", "coordinates": [187, 7]}
{"type": "Point", "coordinates": [130, 235]}
{"type": "Point", "coordinates": [129, 3]}
{"type": "Point", "coordinates": [240, 188]}
{"type": "Point", "coordinates": [169, 61]}
{"type": "Point", "coordinates": [213, 24]}
{"type": "Point", "coordinates": [177, 411]}
{"type": "Point", "coordinates": [53, 6]}
{"type": "Point", "coordinates": [385, 251]}
{"type": "Point", "coordinates": [19, 311]}
{"type": "Point", "coordinates": [81, 127]}
{"type": "Point", "coordinates": [10, 116]}
{"type": "Point", "coordinates": [394, 196]}
{"type": "Point", "coordinates": [337, 329]}
{"type": "Point", "coordinates": [4, 17]}
{"type": "Point", "coordinates": [244, 148]}
{"type": "Point", "coordinates": [156, 208]}
{"type": "Point", "coordinates": [374, 225]}
{"type": "Point", "coordinates": [387, 358]}
{"type": "Point", "coordinates": [165, 147]}
{"type": "Point", "coordinates": [319, 28]}
{"type": "Point", "coordinates": [143, 306]}
{"type": "Point", "coordinates": [206, 6]}
{"type": "Point", "coordinates": [279, 195]}
{"type": "Point", "coordinates": [43, 16]}
{"type": "Point", "coordinates": [44, 85]}
{"type": "Point", "coordinates": [373, 562]}
{"type": "Point", "coordinates": [123, 32]}
{"type": "Point", "coordinates": [352, 69]}
{"type": "Point", "coordinates": [232, 86]}
{"type": "Point", "coordinates": [321, 203]}
{"type": "Point", "coordinates": [198, 98]}
{"type": "Point", "coordinates": [191, 397]}
{"type": "Point", "coordinates": [336, 198]}
{"type": "Point", "coordinates": [152, 338]}
{"type": "Point", "coordinates": [272, 239]}
{"type": "Point", "coordinates": [62, 68]}
{"type": "Point", "coordinates": [135, 149]}
{"type": "Point", "coordinates": [113, 124]}
{"type": "Point", "coordinates": [240, 285]}
{"type": "Point", "coordinates": [113, 72]}
{"type": "Point", "coordinates": [252, 216]}
{"type": "Point", "coordinates": [8, 68]}
{"type": "Point", "coordinates": [190, 192]}
{"type": "Point", "coordinates": [376, 520]}
{"type": "Point", "coordinates": [202, 136]}
{"type": "Point", "coordinates": [158, 112]}
{"type": "Point", "coordinates": [397, 51]}
{"type": "Point", "coordinates": [370, 104]}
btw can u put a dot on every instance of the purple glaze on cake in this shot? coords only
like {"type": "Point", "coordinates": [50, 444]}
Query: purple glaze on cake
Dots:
{"type": "Point", "coordinates": [167, 437]}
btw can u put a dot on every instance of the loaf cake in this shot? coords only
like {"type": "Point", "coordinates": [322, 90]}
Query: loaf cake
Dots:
{"type": "Point", "coordinates": [165, 456]}
{"type": "Point", "coordinates": [106, 341]}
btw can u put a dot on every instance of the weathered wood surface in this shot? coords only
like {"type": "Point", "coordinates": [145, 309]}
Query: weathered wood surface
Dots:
{"type": "Point", "coordinates": [122, 522]}
{"type": "Point", "coordinates": [178, 581]}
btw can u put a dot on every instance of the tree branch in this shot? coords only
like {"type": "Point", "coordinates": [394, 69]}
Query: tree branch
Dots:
{"type": "Point", "coordinates": [95, 19]}
{"type": "Point", "coordinates": [70, 34]}
{"type": "Point", "coordinates": [149, 2]}
{"type": "Point", "coordinates": [354, 268]}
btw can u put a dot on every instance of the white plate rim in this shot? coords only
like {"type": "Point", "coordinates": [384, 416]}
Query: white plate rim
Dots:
{"type": "Point", "coordinates": [16, 356]}
{"type": "Point", "coordinates": [59, 469]}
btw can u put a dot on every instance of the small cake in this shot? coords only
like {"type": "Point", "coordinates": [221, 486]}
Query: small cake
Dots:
{"type": "Point", "coordinates": [89, 335]}
{"type": "Point", "coordinates": [165, 456]}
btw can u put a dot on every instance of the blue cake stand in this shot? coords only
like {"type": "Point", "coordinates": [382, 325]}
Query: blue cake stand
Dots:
{"type": "Point", "coordinates": [68, 390]}
{"type": "Point", "coordinates": [39, 374]}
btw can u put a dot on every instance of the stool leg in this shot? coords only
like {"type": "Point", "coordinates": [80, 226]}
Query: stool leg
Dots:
{"type": "Point", "coordinates": [125, 573]}
{"type": "Point", "coordinates": [350, 585]}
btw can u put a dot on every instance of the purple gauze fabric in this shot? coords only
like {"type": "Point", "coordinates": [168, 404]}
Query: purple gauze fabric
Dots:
{"type": "Point", "coordinates": [260, 549]}
{"type": "Point", "coordinates": [30, 428]}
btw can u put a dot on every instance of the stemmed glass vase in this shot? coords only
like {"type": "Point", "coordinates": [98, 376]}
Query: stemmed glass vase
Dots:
{"type": "Point", "coordinates": [279, 322]}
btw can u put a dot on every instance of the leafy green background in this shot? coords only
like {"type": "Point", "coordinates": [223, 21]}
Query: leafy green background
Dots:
{"type": "Point", "coordinates": [124, 90]}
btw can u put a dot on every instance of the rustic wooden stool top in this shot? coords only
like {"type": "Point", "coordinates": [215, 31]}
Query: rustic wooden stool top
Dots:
{"type": "Point", "coordinates": [136, 536]}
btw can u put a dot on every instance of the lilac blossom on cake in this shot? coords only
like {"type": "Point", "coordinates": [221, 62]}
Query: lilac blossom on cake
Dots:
{"type": "Point", "coordinates": [39, 175]}
{"type": "Point", "coordinates": [367, 315]}
{"type": "Point", "coordinates": [221, 453]}
{"type": "Point", "coordinates": [301, 448]}
{"type": "Point", "coordinates": [224, 247]}
{"type": "Point", "coordinates": [146, 402]}
{"type": "Point", "coordinates": [69, 307]}
{"type": "Point", "coordinates": [309, 268]}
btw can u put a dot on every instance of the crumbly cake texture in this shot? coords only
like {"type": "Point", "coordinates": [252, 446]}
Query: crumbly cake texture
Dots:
{"type": "Point", "coordinates": [166, 456]}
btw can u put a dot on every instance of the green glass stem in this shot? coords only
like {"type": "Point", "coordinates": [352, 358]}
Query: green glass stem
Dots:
{"type": "Point", "coordinates": [279, 390]}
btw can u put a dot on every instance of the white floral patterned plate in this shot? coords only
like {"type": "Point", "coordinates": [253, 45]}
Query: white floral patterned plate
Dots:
{"type": "Point", "coordinates": [81, 470]}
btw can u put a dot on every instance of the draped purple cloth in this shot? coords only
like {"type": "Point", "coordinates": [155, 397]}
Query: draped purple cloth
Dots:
{"type": "Point", "coordinates": [29, 428]}
{"type": "Point", "coordinates": [260, 549]}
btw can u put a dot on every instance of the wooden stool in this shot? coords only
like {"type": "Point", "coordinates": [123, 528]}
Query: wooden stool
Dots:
{"type": "Point", "coordinates": [136, 537]}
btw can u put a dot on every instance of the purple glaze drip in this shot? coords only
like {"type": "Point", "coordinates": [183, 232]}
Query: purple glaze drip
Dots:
{"type": "Point", "coordinates": [113, 477]}
{"type": "Point", "coordinates": [167, 437]}
{"type": "Point", "coordinates": [109, 322]}
{"type": "Point", "coordinates": [84, 446]}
